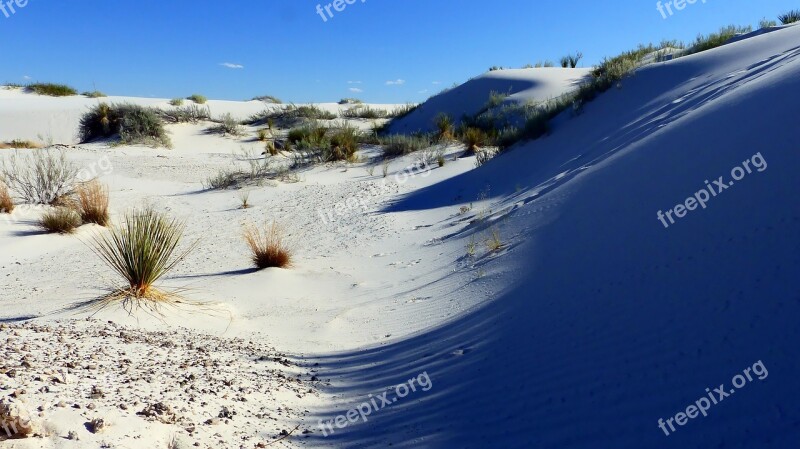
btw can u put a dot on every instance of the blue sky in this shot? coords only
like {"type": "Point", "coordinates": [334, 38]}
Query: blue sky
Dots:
{"type": "Point", "coordinates": [377, 50]}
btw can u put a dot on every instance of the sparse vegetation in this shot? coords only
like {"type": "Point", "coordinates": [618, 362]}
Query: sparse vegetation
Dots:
{"type": "Point", "coordinates": [790, 17]}
{"type": "Point", "coordinates": [402, 111]}
{"type": "Point", "coordinates": [224, 179]}
{"type": "Point", "coordinates": [92, 201]}
{"type": "Point", "coordinates": [766, 23]}
{"type": "Point", "coordinates": [19, 143]}
{"type": "Point", "coordinates": [473, 138]}
{"type": "Point", "coordinates": [444, 125]}
{"type": "Point", "coordinates": [267, 246]}
{"type": "Point", "coordinates": [41, 177]}
{"type": "Point", "coordinates": [176, 102]}
{"type": "Point", "coordinates": [135, 125]}
{"type": "Point", "coordinates": [400, 145]}
{"type": "Point", "coordinates": [227, 126]}
{"type": "Point", "coordinates": [494, 242]}
{"type": "Point", "coordinates": [364, 112]}
{"type": "Point", "coordinates": [244, 199]}
{"type": "Point", "coordinates": [94, 94]}
{"type": "Point", "coordinates": [571, 60]}
{"type": "Point", "coordinates": [51, 89]}
{"type": "Point", "coordinates": [263, 135]}
{"type": "Point", "coordinates": [350, 101]}
{"type": "Point", "coordinates": [714, 40]}
{"type": "Point", "coordinates": [61, 220]}
{"type": "Point", "coordinates": [189, 114]}
{"type": "Point", "coordinates": [142, 250]}
{"type": "Point", "coordinates": [197, 98]}
{"type": "Point", "coordinates": [6, 202]}
{"type": "Point", "coordinates": [268, 99]}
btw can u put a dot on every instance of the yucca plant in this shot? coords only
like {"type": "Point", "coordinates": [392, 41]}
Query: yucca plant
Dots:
{"type": "Point", "coordinates": [6, 202]}
{"type": "Point", "coordinates": [142, 250]}
{"type": "Point", "coordinates": [93, 202]}
{"type": "Point", "coordinates": [445, 126]}
{"type": "Point", "coordinates": [790, 17]}
{"type": "Point", "coordinates": [473, 138]}
{"type": "Point", "coordinates": [267, 246]}
{"type": "Point", "coordinates": [62, 220]}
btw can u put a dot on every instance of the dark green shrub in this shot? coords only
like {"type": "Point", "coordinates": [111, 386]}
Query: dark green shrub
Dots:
{"type": "Point", "coordinates": [133, 123]}
{"type": "Point", "coordinates": [51, 90]}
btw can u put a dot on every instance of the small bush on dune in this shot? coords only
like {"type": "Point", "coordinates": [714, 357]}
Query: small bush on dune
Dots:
{"type": "Point", "coordinates": [790, 17]}
{"type": "Point", "coordinates": [94, 94]}
{"type": "Point", "coordinates": [571, 61]}
{"type": "Point", "coordinates": [227, 126]}
{"type": "Point", "coordinates": [92, 200]}
{"type": "Point", "coordinates": [6, 202]}
{"type": "Point", "coordinates": [766, 23]}
{"type": "Point", "coordinates": [473, 138]}
{"type": "Point", "coordinates": [402, 111]}
{"type": "Point", "coordinates": [19, 143]}
{"type": "Point", "coordinates": [142, 250]}
{"type": "Point", "coordinates": [189, 114]}
{"type": "Point", "coordinates": [350, 101]}
{"type": "Point", "coordinates": [268, 99]}
{"type": "Point", "coordinates": [197, 98]}
{"type": "Point", "coordinates": [51, 90]}
{"type": "Point", "coordinates": [714, 40]}
{"type": "Point", "coordinates": [364, 112]}
{"type": "Point", "coordinates": [133, 123]}
{"type": "Point", "coordinates": [313, 134]}
{"type": "Point", "coordinates": [444, 125]}
{"type": "Point", "coordinates": [400, 145]}
{"type": "Point", "coordinates": [176, 102]}
{"type": "Point", "coordinates": [62, 220]}
{"type": "Point", "coordinates": [344, 145]}
{"type": "Point", "coordinates": [40, 177]}
{"type": "Point", "coordinates": [267, 246]}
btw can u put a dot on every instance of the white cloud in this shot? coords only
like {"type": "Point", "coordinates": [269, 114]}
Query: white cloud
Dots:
{"type": "Point", "coordinates": [26, 77]}
{"type": "Point", "coordinates": [356, 90]}
{"type": "Point", "coordinates": [423, 91]}
{"type": "Point", "coordinates": [436, 82]}
{"type": "Point", "coordinates": [398, 82]}
{"type": "Point", "coordinates": [231, 65]}
{"type": "Point", "coordinates": [354, 82]}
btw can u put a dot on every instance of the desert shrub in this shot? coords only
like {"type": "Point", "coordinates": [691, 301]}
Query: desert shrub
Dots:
{"type": "Point", "coordinates": [540, 64]}
{"type": "Point", "coordinates": [312, 134]}
{"type": "Point", "coordinates": [62, 220]}
{"type": "Point", "coordinates": [197, 98]}
{"type": "Point", "coordinates": [571, 60]}
{"type": "Point", "coordinates": [268, 99]}
{"type": "Point", "coordinates": [51, 90]}
{"type": "Point", "coordinates": [94, 94]}
{"type": "Point", "coordinates": [495, 68]}
{"type": "Point", "coordinates": [227, 126]}
{"type": "Point", "coordinates": [365, 112]}
{"type": "Point", "coordinates": [224, 179]}
{"type": "Point", "coordinates": [19, 143]}
{"type": "Point", "coordinates": [312, 112]}
{"type": "Point", "coordinates": [790, 17]}
{"type": "Point", "coordinates": [188, 114]}
{"type": "Point", "coordinates": [40, 177]}
{"type": "Point", "coordinates": [133, 123]}
{"type": "Point", "coordinates": [766, 23]}
{"type": "Point", "coordinates": [402, 111]}
{"type": "Point", "coordinates": [267, 246]}
{"type": "Point", "coordinates": [92, 201]}
{"type": "Point", "coordinates": [6, 202]}
{"type": "Point", "coordinates": [444, 125]}
{"type": "Point", "coordinates": [473, 138]}
{"type": "Point", "coordinates": [400, 145]}
{"type": "Point", "coordinates": [350, 101]}
{"type": "Point", "coordinates": [176, 102]}
{"type": "Point", "coordinates": [714, 40]}
{"type": "Point", "coordinates": [142, 250]}
{"type": "Point", "coordinates": [263, 135]}
{"type": "Point", "coordinates": [343, 145]}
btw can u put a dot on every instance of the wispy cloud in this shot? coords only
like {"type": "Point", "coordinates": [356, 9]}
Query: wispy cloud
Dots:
{"type": "Point", "coordinates": [423, 91]}
{"type": "Point", "coordinates": [354, 82]}
{"type": "Point", "coordinates": [231, 65]}
{"type": "Point", "coordinates": [398, 82]}
{"type": "Point", "coordinates": [356, 90]}
{"type": "Point", "coordinates": [436, 82]}
{"type": "Point", "coordinates": [26, 77]}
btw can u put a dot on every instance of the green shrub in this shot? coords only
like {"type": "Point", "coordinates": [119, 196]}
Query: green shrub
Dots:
{"type": "Point", "coordinates": [473, 138]}
{"type": "Point", "coordinates": [94, 94]}
{"type": "Point", "coordinates": [176, 102]}
{"type": "Point", "coordinates": [343, 145]}
{"type": "Point", "coordinates": [51, 90]}
{"type": "Point", "coordinates": [444, 125]}
{"type": "Point", "coordinates": [766, 23]}
{"type": "Point", "coordinates": [62, 220]}
{"type": "Point", "coordinates": [227, 126]}
{"type": "Point", "coordinates": [364, 112]}
{"type": "Point", "coordinates": [571, 61]}
{"type": "Point", "coordinates": [714, 40]}
{"type": "Point", "coordinates": [400, 145]}
{"type": "Point", "coordinates": [197, 98]}
{"type": "Point", "coordinates": [188, 114]}
{"type": "Point", "coordinates": [135, 125]}
{"type": "Point", "coordinates": [350, 101]}
{"type": "Point", "coordinates": [790, 17]}
{"type": "Point", "coordinates": [312, 134]}
{"type": "Point", "coordinates": [268, 99]}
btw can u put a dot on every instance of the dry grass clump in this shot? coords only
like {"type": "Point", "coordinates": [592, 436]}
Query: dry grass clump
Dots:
{"type": "Point", "coordinates": [142, 250]}
{"type": "Point", "coordinates": [61, 220]}
{"type": "Point", "coordinates": [51, 89]}
{"type": "Point", "coordinates": [473, 138]}
{"type": "Point", "coordinates": [92, 201]}
{"type": "Point", "coordinates": [267, 246]}
{"type": "Point", "coordinates": [19, 143]}
{"type": "Point", "coordinates": [6, 202]}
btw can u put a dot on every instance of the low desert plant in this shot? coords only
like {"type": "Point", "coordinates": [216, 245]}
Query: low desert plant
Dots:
{"type": "Point", "coordinates": [222, 180]}
{"type": "Point", "coordinates": [6, 202]}
{"type": "Point", "coordinates": [142, 250]}
{"type": "Point", "coordinates": [473, 138]}
{"type": "Point", "coordinates": [714, 40]}
{"type": "Point", "coordinates": [364, 112]}
{"type": "Point", "coordinates": [268, 99]}
{"type": "Point", "coordinates": [244, 199]}
{"type": "Point", "coordinates": [571, 60]}
{"type": "Point", "coordinates": [94, 94]}
{"type": "Point", "coordinates": [343, 145]}
{"type": "Point", "coordinates": [227, 126]}
{"type": "Point", "coordinates": [92, 200]}
{"type": "Point", "coordinates": [19, 143]}
{"type": "Point", "coordinates": [176, 102]}
{"type": "Point", "coordinates": [385, 168]}
{"type": "Point", "coordinates": [189, 114]}
{"type": "Point", "coordinates": [350, 101]}
{"type": "Point", "coordinates": [402, 111]}
{"type": "Point", "coordinates": [766, 23]}
{"type": "Point", "coordinates": [494, 243]}
{"type": "Point", "coordinates": [51, 90]}
{"type": "Point", "coordinates": [62, 220]}
{"type": "Point", "coordinates": [197, 98]}
{"type": "Point", "coordinates": [263, 135]}
{"type": "Point", "coordinates": [790, 17]}
{"type": "Point", "coordinates": [400, 145]}
{"type": "Point", "coordinates": [40, 177]}
{"type": "Point", "coordinates": [267, 246]}
{"type": "Point", "coordinates": [444, 125]}
{"type": "Point", "coordinates": [134, 124]}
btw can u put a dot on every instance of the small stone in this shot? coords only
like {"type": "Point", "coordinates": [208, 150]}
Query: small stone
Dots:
{"type": "Point", "coordinates": [72, 435]}
{"type": "Point", "coordinates": [96, 425]}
